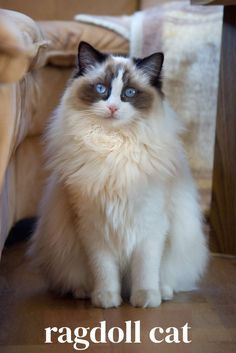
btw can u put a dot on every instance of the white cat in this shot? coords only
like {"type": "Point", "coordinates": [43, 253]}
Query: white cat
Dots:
{"type": "Point", "coordinates": [120, 211]}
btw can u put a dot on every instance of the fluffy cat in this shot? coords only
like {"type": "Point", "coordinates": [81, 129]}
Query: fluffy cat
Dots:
{"type": "Point", "coordinates": [120, 212]}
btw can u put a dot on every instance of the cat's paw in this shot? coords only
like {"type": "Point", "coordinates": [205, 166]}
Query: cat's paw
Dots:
{"type": "Point", "coordinates": [167, 292]}
{"type": "Point", "coordinates": [146, 298]}
{"type": "Point", "coordinates": [106, 299]}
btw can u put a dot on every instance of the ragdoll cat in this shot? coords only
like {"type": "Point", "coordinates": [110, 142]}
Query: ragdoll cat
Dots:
{"type": "Point", "coordinates": [120, 212]}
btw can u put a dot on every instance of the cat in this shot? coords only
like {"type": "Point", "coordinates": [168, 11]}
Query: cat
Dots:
{"type": "Point", "coordinates": [120, 213]}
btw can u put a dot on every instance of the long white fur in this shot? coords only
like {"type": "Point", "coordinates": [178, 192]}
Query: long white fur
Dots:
{"type": "Point", "coordinates": [120, 211]}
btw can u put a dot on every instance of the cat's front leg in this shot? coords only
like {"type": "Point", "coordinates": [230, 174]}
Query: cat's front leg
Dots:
{"type": "Point", "coordinates": [106, 289]}
{"type": "Point", "coordinates": [145, 267]}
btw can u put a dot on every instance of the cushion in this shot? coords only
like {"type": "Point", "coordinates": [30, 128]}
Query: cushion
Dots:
{"type": "Point", "coordinates": [64, 37]}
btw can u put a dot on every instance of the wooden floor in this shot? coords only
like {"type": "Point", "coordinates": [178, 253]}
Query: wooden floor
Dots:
{"type": "Point", "coordinates": [26, 308]}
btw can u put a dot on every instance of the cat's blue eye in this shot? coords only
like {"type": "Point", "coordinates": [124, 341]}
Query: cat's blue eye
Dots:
{"type": "Point", "coordinates": [100, 88]}
{"type": "Point", "coordinates": [130, 92]}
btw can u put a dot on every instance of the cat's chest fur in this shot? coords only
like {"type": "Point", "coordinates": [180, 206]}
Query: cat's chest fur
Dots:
{"type": "Point", "coordinates": [110, 165]}
{"type": "Point", "coordinates": [113, 166]}
{"type": "Point", "coordinates": [115, 179]}
{"type": "Point", "coordinates": [114, 185]}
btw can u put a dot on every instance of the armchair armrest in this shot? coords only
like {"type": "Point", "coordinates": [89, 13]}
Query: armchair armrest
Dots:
{"type": "Point", "coordinates": [22, 50]}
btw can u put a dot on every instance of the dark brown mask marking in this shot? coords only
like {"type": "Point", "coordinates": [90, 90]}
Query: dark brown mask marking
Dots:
{"type": "Point", "coordinates": [89, 58]}
{"type": "Point", "coordinates": [144, 95]}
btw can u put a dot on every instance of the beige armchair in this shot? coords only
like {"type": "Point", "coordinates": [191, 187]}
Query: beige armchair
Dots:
{"type": "Point", "coordinates": [36, 60]}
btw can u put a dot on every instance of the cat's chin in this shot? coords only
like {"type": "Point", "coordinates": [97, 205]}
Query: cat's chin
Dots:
{"type": "Point", "coordinates": [114, 121]}
{"type": "Point", "coordinates": [112, 117]}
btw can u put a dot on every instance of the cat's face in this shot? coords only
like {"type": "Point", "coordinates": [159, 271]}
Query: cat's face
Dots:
{"type": "Point", "coordinates": [115, 89]}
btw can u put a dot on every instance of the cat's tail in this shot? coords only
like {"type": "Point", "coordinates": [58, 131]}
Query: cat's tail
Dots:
{"type": "Point", "coordinates": [21, 231]}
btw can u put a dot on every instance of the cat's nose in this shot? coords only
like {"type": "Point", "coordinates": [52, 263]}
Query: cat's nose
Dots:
{"type": "Point", "coordinates": [113, 108]}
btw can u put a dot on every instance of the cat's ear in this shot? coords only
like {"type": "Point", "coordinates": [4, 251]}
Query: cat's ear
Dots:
{"type": "Point", "coordinates": [88, 57]}
{"type": "Point", "coordinates": [151, 65]}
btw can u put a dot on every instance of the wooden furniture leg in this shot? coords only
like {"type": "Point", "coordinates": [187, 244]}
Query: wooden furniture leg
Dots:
{"type": "Point", "coordinates": [223, 207]}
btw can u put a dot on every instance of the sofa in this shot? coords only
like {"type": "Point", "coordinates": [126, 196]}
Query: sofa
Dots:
{"type": "Point", "coordinates": [36, 60]}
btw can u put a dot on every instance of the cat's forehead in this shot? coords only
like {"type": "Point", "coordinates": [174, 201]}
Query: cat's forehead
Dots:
{"type": "Point", "coordinates": [117, 67]}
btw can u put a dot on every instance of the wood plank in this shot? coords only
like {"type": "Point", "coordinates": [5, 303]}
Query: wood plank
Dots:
{"type": "Point", "coordinates": [26, 308]}
{"type": "Point", "coordinates": [223, 208]}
